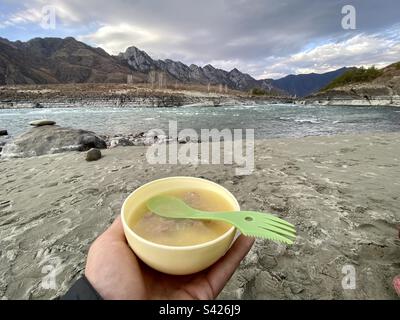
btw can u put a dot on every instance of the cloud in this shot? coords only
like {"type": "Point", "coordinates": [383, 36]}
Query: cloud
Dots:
{"type": "Point", "coordinates": [267, 38]}
{"type": "Point", "coordinates": [31, 15]}
{"type": "Point", "coordinates": [360, 50]}
{"type": "Point", "coordinates": [114, 38]}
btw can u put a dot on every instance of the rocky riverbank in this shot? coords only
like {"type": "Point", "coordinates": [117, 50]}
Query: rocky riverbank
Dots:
{"type": "Point", "coordinates": [123, 95]}
{"type": "Point", "coordinates": [383, 91]}
{"type": "Point", "coordinates": [48, 138]}
{"type": "Point", "coordinates": [341, 192]}
{"type": "Point", "coordinates": [350, 98]}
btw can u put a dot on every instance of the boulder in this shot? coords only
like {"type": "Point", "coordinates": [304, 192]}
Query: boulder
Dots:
{"type": "Point", "coordinates": [42, 122]}
{"type": "Point", "coordinates": [51, 139]}
{"type": "Point", "coordinates": [3, 133]}
{"type": "Point", "coordinates": [93, 154]}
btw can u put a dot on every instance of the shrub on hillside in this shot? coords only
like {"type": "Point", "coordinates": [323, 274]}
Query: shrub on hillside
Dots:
{"type": "Point", "coordinates": [258, 92]}
{"type": "Point", "coordinates": [356, 75]}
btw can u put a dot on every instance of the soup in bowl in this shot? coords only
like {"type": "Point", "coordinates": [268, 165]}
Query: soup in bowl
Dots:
{"type": "Point", "coordinates": [179, 246]}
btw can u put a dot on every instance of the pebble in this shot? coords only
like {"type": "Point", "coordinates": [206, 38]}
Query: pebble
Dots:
{"type": "Point", "coordinates": [93, 154]}
{"type": "Point", "coordinates": [3, 133]}
{"type": "Point", "coordinates": [296, 288]}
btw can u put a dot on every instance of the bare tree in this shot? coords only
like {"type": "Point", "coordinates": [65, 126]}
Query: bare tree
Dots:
{"type": "Point", "coordinates": [152, 78]}
{"type": "Point", "coordinates": [129, 79]}
{"type": "Point", "coordinates": [162, 80]}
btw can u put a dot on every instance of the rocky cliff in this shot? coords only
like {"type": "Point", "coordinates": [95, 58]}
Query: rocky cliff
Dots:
{"type": "Point", "coordinates": [140, 61]}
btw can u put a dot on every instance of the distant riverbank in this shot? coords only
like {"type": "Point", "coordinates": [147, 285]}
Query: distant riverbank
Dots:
{"type": "Point", "coordinates": [376, 101]}
{"type": "Point", "coordinates": [123, 95]}
{"type": "Point", "coordinates": [141, 96]}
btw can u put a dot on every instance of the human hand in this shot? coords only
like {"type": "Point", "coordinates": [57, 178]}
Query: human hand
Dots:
{"type": "Point", "coordinates": [116, 273]}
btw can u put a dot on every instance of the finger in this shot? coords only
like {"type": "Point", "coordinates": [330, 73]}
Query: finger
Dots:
{"type": "Point", "coordinates": [396, 285]}
{"type": "Point", "coordinates": [222, 271]}
{"type": "Point", "coordinates": [115, 231]}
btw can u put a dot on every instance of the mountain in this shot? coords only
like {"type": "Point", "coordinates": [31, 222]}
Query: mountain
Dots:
{"type": "Point", "coordinates": [305, 84]}
{"type": "Point", "coordinates": [55, 60]}
{"type": "Point", "coordinates": [140, 61]}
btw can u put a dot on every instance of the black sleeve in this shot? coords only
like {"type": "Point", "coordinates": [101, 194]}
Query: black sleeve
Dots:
{"type": "Point", "coordinates": [81, 290]}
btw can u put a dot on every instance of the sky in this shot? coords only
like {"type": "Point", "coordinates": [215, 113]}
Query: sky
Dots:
{"type": "Point", "coordinates": [265, 38]}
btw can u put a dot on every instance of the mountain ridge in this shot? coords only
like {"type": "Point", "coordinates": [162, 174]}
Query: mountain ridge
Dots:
{"type": "Point", "coordinates": [302, 85]}
{"type": "Point", "coordinates": [140, 61]}
{"type": "Point", "coordinates": [67, 60]}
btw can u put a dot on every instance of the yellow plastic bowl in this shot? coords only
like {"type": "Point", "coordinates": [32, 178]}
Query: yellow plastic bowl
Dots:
{"type": "Point", "coordinates": [176, 260]}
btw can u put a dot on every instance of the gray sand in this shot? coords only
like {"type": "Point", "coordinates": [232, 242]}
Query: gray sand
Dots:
{"type": "Point", "coordinates": [342, 193]}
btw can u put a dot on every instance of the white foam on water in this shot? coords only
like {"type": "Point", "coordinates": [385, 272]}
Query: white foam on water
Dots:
{"type": "Point", "coordinates": [313, 121]}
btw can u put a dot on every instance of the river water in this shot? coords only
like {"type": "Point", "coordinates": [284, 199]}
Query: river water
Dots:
{"type": "Point", "coordinates": [269, 121]}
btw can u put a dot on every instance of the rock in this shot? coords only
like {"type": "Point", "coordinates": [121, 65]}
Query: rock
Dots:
{"type": "Point", "coordinates": [268, 262]}
{"type": "Point", "coordinates": [296, 288]}
{"type": "Point", "coordinates": [183, 140]}
{"type": "Point", "coordinates": [163, 139]}
{"type": "Point", "coordinates": [113, 143]}
{"type": "Point", "coordinates": [3, 142]}
{"type": "Point", "coordinates": [89, 140]}
{"type": "Point", "coordinates": [37, 105]}
{"type": "Point", "coordinates": [120, 141]}
{"type": "Point", "coordinates": [51, 139]}
{"type": "Point", "coordinates": [93, 154]}
{"type": "Point", "coordinates": [141, 139]}
{"type": "Point", "coordinates": [43, 122]}
{"type": "Point", "coordinates": [150, 134]}
{"type": "Point", "coordinates": [3, 133]}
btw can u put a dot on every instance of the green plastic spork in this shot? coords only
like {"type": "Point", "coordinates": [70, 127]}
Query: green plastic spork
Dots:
{"type": "Point", "coordinates": [250, 223]}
